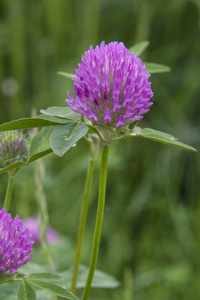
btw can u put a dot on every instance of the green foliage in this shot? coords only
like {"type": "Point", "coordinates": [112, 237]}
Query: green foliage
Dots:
{"type": "Point", "coordinates": [161, 137]}
{"type": "Point", "coordinates": [39, 121]}
{"type": "Point", "coordinates": [25, 292]}
{"type": "Point", "coordinates": [139, 48]}
{"type": "Point", "coordinates": [43, 276]}
{"type": "Point", "coordinates": [61, 112]}
{"type": "Point", "coordinates": [154, 68]}
{"type": "Point", "coordinates": [43, 280]}
{"type": "Point", "coordinates": [39, 139]}
{"type": "Point", "coordinates": [65, 136]}
{"type": "Point", "coordinates": [100, 280]}
{"type": "Point", "coordinates": [53, 288]}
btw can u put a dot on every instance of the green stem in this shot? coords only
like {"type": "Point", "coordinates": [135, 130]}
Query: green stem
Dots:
{"type": "Point", "coordinates": [99, 220]}
{"type": "Point", "coordinates": [9, 192]}
{"type": "Point", "coordinates": [10, 279]}
{"type": "Point", "coordinates": [94, 142]}
{"type": "Point", "coordinates": [82, 222]}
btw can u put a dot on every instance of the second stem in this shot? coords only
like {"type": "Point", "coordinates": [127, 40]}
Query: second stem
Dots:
{"type": "Point", "coordinates": [99, 220]}
{"type": "Point", "coordinates": [83, 217]}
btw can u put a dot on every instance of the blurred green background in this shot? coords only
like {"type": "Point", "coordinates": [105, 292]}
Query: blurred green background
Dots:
{"type": "Point", "coordinates": [151, 232]}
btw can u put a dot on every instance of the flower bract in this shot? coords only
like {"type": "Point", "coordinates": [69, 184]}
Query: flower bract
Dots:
{"type": "Point", "coordinates": [15, 244]}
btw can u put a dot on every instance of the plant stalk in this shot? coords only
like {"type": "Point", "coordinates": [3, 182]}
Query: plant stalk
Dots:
{"type": "Point", "coordinates": [99, 220]}
{"type": "Point", "coordinates": [83, 217]}
{"type": "Point", "coordinates": [9, 192]}
{"type": "Point", "coordinates": [94, 149]}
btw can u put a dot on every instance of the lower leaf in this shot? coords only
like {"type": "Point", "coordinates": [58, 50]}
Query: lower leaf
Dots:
{"type": "Point", "coordinates": [25, 292]}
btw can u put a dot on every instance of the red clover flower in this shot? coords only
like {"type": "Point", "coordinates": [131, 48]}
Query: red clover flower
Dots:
{"type": "Point", "coordinates": [15, 244]}
{"type": "Point", "coordinates": [112, 88]}
{"type": "Point", "coordinates": [13, 147]}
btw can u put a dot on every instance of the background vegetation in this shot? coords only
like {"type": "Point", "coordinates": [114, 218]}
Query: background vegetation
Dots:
{"type": "Point", "coordinates": [151, 232]}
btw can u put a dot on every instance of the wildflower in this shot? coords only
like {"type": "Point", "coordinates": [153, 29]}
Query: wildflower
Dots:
{"type": "Point", "coordinates": [13, 147]}
{"type": "Point", "coordinates": [112, 88]}
{"type": "Point", "coordinates": [15, 244]}
{"type": "Point", "coordinates": [33, 225]}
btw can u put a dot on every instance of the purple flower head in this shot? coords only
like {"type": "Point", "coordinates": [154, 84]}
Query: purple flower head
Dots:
{"type": "Point", "coordinates": [111, 87]}
{"type": "Point", "coordinates": [15, 244]}
{"type": "Point", "coordinates": [33, 225]}
{"type": "Point", "coordinates": [13, 147]}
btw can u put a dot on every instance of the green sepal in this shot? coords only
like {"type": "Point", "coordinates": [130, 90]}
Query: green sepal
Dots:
{"type": "Point", "coordinates": [159, 136]}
